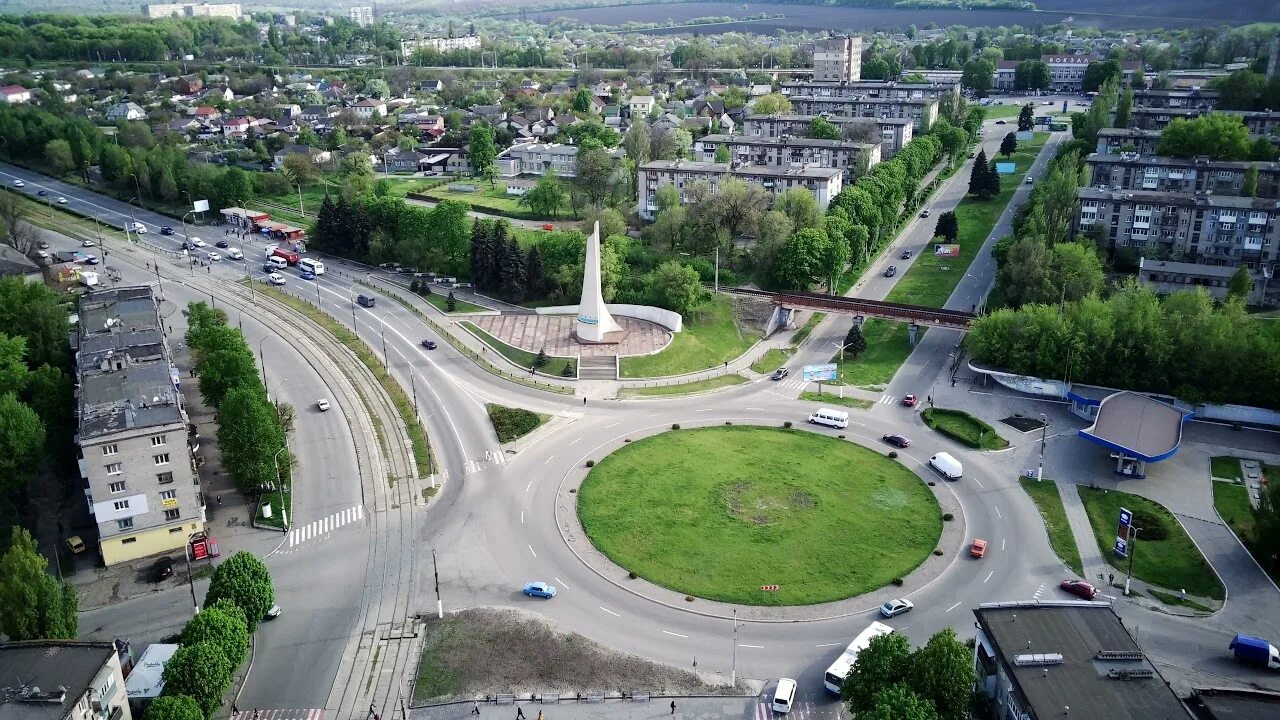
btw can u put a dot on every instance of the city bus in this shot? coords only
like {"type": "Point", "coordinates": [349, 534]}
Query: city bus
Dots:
{"type": "Point", "coordinates": [315, 266]}
{"type": "Point", "coordinates": [840, 668]}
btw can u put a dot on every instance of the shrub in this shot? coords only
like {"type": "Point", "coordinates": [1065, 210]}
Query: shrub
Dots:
{"type": "Point", "coordinates": [675, 426]}
{"type": "Point", "coordinates": [897, 582]}
{"type": "Point", "coordinates": [511, 423]}
{"type": "Point", "coordinates": [1153, 527]}
{"type": "Point", "coordinates": [948, 517]}
{"type": "Point", "coordinates": [591, 463]}
{"type": "Point", "coordinates": [424, 289]}
{"type": "Point", "coordinates": [631, 575]}
{"type": "Point", "coordinates": [893, 454]}
{"type": "Point", "coordinates": [415, 286]}
{"type": "Point", "coordinates": [938, 552]}
{"type": "Point", "coordinates": [451, 303]}
{"type": "Point", "coordinates": [786, 424]}
{"type": "Point", "coordinates": [728, 422]}
{"type": "Point", "coordinates": [568, 371]}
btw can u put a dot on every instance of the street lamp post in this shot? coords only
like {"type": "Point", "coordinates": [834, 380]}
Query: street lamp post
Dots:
{"type": "Point", "coordinates": [1044, 431]}
{"type": "Point", "coordinates": [262, 361]}
{"type": "Point", "coordinates": [435, 570]}
{"type": "Point", "coordinates": [186, 551]}
{"type": "Point", "coordinates": [1129, 548]}
{"type": "Point", "coordinates": [733, 678]}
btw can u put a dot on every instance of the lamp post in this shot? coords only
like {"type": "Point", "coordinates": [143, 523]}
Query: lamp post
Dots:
{"type": "Point", "coordinates": [733, 678]}
{"type": "Point", "coordinates": [133, 221]}
{"type": "Point", "coordinates": [275, 460]}
{"type": "Point", "coordinates": [262, 361]}
{"type": "Point", "coordinates": [1044, 431]}
{"type": "Point", "coordinates": [435, 570]}
{"type": "Point", "coordinates": [186, 551]}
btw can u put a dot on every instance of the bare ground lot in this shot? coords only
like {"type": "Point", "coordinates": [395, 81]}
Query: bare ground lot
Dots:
{"type": "Point", "coordinates": [490, 651]}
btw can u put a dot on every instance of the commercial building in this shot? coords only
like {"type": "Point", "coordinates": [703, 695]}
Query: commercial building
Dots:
{"type": "Point", "coordinates": [224, 10]}
{"type": "Point", "coordinates": [1066, 72]}
{"type": "Point", "coordinates": [134, 454]}
{"type": "Point", "coordinates": [1112, 141]}
{"type": "Point", "coordinates": [824, 183]}
{"type": "Point", "coordinates": [1169, 276]}
{"type": "Point", "coordinates": [879, 89]}
{"type": "Point", "coordinates": [61, 680]}
{"type": "Point", "coordinates": [893, 133]}
{"type": "Point", "coordinates": [837, 59]}
{"type": "Point", "coordinates": [853, 158]}
{"type": "Point", "coordinates": [442, 45]}
{"type": "Point", "coordinates": [921, 113]}
{"type": "Point", "coordinates": [362, 16]}
{"type": "Point", "coordinates": [1039, 660]}
{"type": "Point", "coordinates": [1132, 171]}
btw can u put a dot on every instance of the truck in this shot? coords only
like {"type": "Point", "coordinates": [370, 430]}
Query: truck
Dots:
{"type": "Point", "coordinates": [89, 279]}
{"type": "Point", "coordinates": [289, 256]}
{"type": "Point", "coordinates": [1255, 651]}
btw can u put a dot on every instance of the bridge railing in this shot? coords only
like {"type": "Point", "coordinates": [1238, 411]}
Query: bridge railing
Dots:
{"type": "Point", "coordinates": [918, 314]}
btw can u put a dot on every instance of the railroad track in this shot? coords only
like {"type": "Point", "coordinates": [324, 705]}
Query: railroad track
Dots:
{"type": "Point", "coordinates": [878, 308]}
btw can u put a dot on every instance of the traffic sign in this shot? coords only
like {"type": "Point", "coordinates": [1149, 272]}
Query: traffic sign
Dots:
{"type": "Point", "coordinates": [768, 588]}
{"type": "Point", "coordinates": [1122, 547]}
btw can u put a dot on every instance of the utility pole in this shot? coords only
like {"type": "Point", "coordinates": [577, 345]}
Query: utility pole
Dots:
{"type": "Point", "coordinates": [1130, 547]}
{"type": "Point", "coordinates": [385, 364]}
{"type": "Point", "coordinates": [1044, 430]}
{"type": "Point", "coordinates": [435, 570]}
{"type": "Point", "coordinates": [733, 680]}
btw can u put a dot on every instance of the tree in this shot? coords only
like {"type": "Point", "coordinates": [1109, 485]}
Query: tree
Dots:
{"type": "Point", "coordinates": [1221, 137]}
{"type": "Point", "coordinates": [978, 76]}
{"type": "Point", "coordinates": [983, 181]}
{"type": "Point", "coordinates": [234, 188]}
{"type": "Point", "coordinates": [243, 580]}
{"type": "Point", "coordinates": [897, 702]}
{"type": "Point", "coordinates": [948, 226]}
{"type": "Point", "coordinates": [1026, 117]}
{"type": "Point", "coordinates": [771, 104]}
{"type": "Point", "coordinates": [33, 606]}
{"type": "Point", "coordinates": [1240, 90]}
{"type": "Point", "coordinates": [833, 258]}
{"type": "Point", "coordinates": [224, 625]}
{"type": "Point", "coordinates": [300, 169]}
{"type": "Point", "coordinates": [821, 128]}
{"type": "Point", "coordinates": [1124, 105]}
{"type": "Point", "coordinates": [668, 227]}
{"type": "Point", "coordinates": [547, 197]}
{"type": "Point", "coordinates": [377, 87]}
{"type": "Point", "coordinates": [675, 287]}
{"type": "Point", "coordinates": [611, 223]}
{"type": "Point", "coordinates": [1009, 145]}
{"type": "Point", "coordinates": [1249, 188]}
{"type": "Point", "coordinates": [250, 436]}
{"type": "Point", "coordinates": [201, 672]}
{"type": "Point", "coordinates": [480, 145]}
{"type": "Point", "coordinates": [1098, 74]}
{"type": "Point", "coordinates": [884, 662]}
{"type": "Point", "coordinates": [667, 197]}
{"type": "Point", "coordinates": [800, 259]}
{"type": "Point", "coordinates": [230, 366]}
{"type": "Point", "coordinates": [582, 100]}
{"type": "Point", "coordinates": [800, 206]}
{"type": "Point", "coordinates": [58, 153]}
{"type": "Point", "coordinates": [942, 672]}
{"type": "Point", "coordinates": [1240, 284]}
{"type": "Point", "coordinates": [18, 233]}
{"type": "Point", "coordinates": [636, 142]}
{"type": "Point", "coordinates": [173, 707]}
{"type": "Point", "coordinates": [21, 441]}
{"type": "Point", "coordinates": [537, 284]}
{"type": "Point", "coordinates": [595, 172]}
{"type": "Point", "coordinates": [854, 342]}
{"type": "Point", "coordinates": [722, 153]}
{"type": "Point", "coordinates": [1032, 75]}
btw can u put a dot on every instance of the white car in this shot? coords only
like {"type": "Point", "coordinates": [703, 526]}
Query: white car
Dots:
{"type": "Point", "coordinates": [322, 404]}
{"type": "Point", "coordinates": [86, 243]}
{"type": "Point", "coordinates": [214, 257]}
{"type": "Point", "coordinates": [276, 279]}
{"type": "Point", "coordinates": [19, 183]}
{"type": "Point", "coordinates": [894, 608]}
{"type": "Point", "coordinates": [235, 254]}
{"type": "Point", "coordinates": [62, 200]}
{"type": "Point", "coordinates": [140, 228]}
{"type": "Point", "coordinates": [197, 242]}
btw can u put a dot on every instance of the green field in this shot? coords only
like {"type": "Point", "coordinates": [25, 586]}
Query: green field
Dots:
{"type": "Point", "coordinates": [523, 358]}
{"type": "Point", "coordinates": [1232, 503]}
{"type": "Point", "coordinates": [887, 349]}
{"type": "Point", "coordinates": [710, 337]}
{"type": "Point", "coordinates": [1173, 563]}
{"type": "Point", "coordinates": [715, 383]}
{"type": "Point", "coordinates": [441, 303]}
{"type": "Point", "coordinates": [1045, 495]}
{"type": "Point", "coordinates": [495, 200]}
{"type": "Point", "coordinates": [963, 428]}
{"type": "Point", "coordinates": [771, 360]}
{"type": "Point", "coordinates": [718, 512]}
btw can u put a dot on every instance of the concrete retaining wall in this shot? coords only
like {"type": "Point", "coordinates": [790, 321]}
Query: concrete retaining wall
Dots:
{"type": "Point", "coordinates": [667, 319]}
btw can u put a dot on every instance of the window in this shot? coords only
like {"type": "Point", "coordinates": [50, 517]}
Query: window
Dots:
{"type": "Point", "coordinates": [111, 449]}
{"type": "Point", "coordinates": [116, 487]}
{"type": "Point", "coordinates": [164, 478]}
{"type": "Point", "coordinates": [168, 494]}
{"type": "Point", "coordinates": [125, 524]}
{"type": "Point", "coordinates": [173, 514]}
{"type": "Point", "coordinates": [120, 505]}
{"type": "Point", "coordinates": [113, 469]}
{"type": "Point", "coordinates": [161, 459]}
{"type": "Point", "coordinates": [157, 440]}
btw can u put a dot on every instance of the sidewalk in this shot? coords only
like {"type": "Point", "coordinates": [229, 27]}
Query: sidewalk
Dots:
{"type": "Point", "coordinates": [703, 708]}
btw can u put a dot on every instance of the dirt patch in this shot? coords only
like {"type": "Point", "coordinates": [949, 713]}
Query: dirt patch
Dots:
{"type": "Point", "coordinates": [802, 500]}
{"type": "Point", "coordinates": [1022, 424]}
{"type": "Point", "coordinates": [487, 651]}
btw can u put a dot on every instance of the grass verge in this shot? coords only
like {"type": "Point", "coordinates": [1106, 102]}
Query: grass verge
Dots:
{"type": "Point", "coordinates": [829, 399]}
{"type": "Point", "coordinates": [513, 423]}
{"type": "Point", "coordinates": [1226, 467]}
{"type": "Point", "coordinates": [1049, 502]}
{"type": "Point", "coordinates": [441, 303]}
{"type": "Point", "coordinates": [488, 200]}
{"type": "Point", "coordinates": [773, 359]}
{"type": "Point", "coordinates": [523, 358]}
{"type": "Point", "coordinates": [1172, 561]}
{"type": "Point", "coordinates": [806, 329]}
{"type": "Point", "coordinates": [711, 336]}
{"type": "Point", "coordinates": [718, 512]}
{"type": "Point", "coordinates": [964, 428]}
{"type": "Point", "coordinates": [1232, 503]}
{"type": "Point", "coordinates": [715, 383]}
{"type": "Point", "coordinates": [1177, 600]}
{"type": "Point", "coordinates": [887, 348]}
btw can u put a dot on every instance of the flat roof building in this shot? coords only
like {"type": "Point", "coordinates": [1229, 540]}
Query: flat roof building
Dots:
{"type": "Point", "coordinates": [893, 133]}
{"type": "Point", "coordinates": [824, 183]}
{"type": "Point", "coordinates": [1259, 123]}
{"type": "Point", "coordinates": [1193, 98]}
{"type": "Point", "coordinates": [921, 113]}
{"type": "Point", "coordinates": [855, 159]}
{"type": "Point", "coordinates": [837, 59]}
{"type": "Point", "coordinates": [226, 10]}
{"type": "Point", "coordinates": [1113, 141]}
{"type": "Point", "coordinates": [881, 89]}
{"type": "Point", "coordinates": [61, 680]}
{"type": "Point", "coordinates": [1132, 171]}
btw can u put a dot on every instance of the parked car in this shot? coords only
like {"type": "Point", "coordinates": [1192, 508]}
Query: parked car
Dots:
{"type": "Point", "coordinates": [166, 230]}
{"type": "Point", "coordinates": [540, 590]}
{"type": "Point", "coordinates": [891, 271]}
{"type": "Point", "coordinates": [222, 243]}
{"type": "Point", "coordinates": [273, 613]}
{"type": "Point", "coordinates": [894, 608]}
{"type": "Point", "coordinates": [322, 404]}
{"type": "Point", "coordinates": [910, 400]}
{"type": "Point", "coordinates": [978, 548]}
{"type": "Point", "coordinates": [429, 344]}
{"type": "Point", "coordinates": [779, 373]}
{"type": "Point", "coordinates": [43, 244]}
{"type": "Point", "coordinates": [897, 441]}
{"type": "Point", "coordinates": [75, 544]}
{"type": "Point", "coordinates": [1079, 588]}
{"type": "Point", "coordinates": [973, 155]}
{"type": "Point", "coordinates": [163, 568]}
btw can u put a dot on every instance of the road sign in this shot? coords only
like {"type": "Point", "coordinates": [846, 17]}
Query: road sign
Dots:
{"type": "Point", "coordinates": [768, 588]}
{"type": "Point", "coordinates": [1126, 517]}
{"type": "Point", "coordinates": [820, 372]}
{"type": "Point", "coordinates": [1122, 547]}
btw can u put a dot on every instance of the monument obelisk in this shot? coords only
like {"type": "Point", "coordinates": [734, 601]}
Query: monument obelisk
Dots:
{"type": "Point", "coordinates": [595, 323]}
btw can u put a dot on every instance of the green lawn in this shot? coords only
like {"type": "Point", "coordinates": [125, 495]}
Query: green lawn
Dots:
{"type": "Point", "coordinates": [1226, 467]}
{"type": "Point", "coordinates": [1232, 503]}
{"type": "Point", "coordinates": [441, 302]}
{"type": "Point", "coordinates": [964, 428]}
{"type": "Point", "coordinates": [1175, 599]}
{"type": "Point", "coordinates": [931, 279]}
{"type": "Point", "coordinates": [718, 512]}
{"type": "Point", "coordinates": [806, 329]}
{"type": "Point", "coordinates": [771, 360]}
{"type": "Point", "coordinates": [710, 337]}
{"type": "Point", "coordinates": [494, 200]}
{"type": "Point", "coordinates": [1173, 563]}
{"type": "Point", "coordinates": [887, 349]}
{"type": "Point", "coordinates": [715, 383]}
{"type": "Point", "coordinates": [513, 423]}
{"type": "Point", "coordinates": [523, 358]}
{"type": "Point", "coordinates": [1049, 503]}
{"type": "Point", "coordinates": [829, 398]}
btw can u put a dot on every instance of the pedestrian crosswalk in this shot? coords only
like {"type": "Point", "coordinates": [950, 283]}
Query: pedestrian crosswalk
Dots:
{"type": "Point", "coordinates": [1038, 592]}
{"type": "Point", "coordinates": [288, 714]}
{"type": "Point", "coordinates": [795, 383]}
{"type": "Point", "coordinates": [888, 400]}
{"type": "Point", "coordinates": [802, 708]}
{"type": "Point", "coordinates": [323, 526]}
{"type": "Point", "coordinates": [491, 457]}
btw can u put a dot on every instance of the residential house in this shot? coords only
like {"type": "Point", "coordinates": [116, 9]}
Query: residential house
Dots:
{"type": "Point", "coordinates": [396, 160]}
{"type": "Point", "coordinates": [235, 128]}
{"type": "Point", "coordinates": [287, 111]}
{"type": "Point", "coordinates": [222, 94]}
{"type": "Point", "coordinates": [458, 161]}
{"type": "Point", "coordinates": [431, 86]}
{"type": "Point", "coordinates": [63, 680]}
{"type": "Point", "coordinates": [824, 183]}
{"type": "Point", "coordinates": [125, 111]}
{"type": "Point", "coordinates": [318, 113]}
{"type": "Point", "coordinates": [188, 84]}
{"type": "Point", "coordinates": [369, 107]}
{"type": "Point", "coordinates": [639, 106]}
{"type": "Point", "coordinates": [317, 156]}
{"type": "Point", "coordinates": [206, 113]}
{"type": "Point", "coordinates": [493, 114]}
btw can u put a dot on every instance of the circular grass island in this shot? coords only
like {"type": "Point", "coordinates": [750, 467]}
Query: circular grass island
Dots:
{"type": "Point", "coordinates": [718, 512]}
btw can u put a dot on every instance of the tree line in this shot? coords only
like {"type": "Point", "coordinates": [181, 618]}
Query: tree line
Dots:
{"type": "Point", "coordinates": [890, 681]}
{"type": "Point", "coordinates": [375, 227]}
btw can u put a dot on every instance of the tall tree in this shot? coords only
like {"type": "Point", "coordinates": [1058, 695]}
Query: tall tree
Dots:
{"type": "Point", "coordinates": [1249, 187]}
{"type": "Point", "coordinates": [243, 580]}
{"type": "Point", "coordinates": [1026, 117]}
{"type": "Point", "coordinates": [582, 100]}
{"type": "Point", "coordinates": [173, 707]}
{"type": "Point", "coordinates": [595, 172]}
{"type": "Point", "coordinates": [201, 672]}
{"type": "Point", "coordinates": [1009, 145]}
{"type": "Point", "coordinates": [1219, 136]}
{"type": "Point", "coordinates": [947, 227]}
{"type": "Point", "coordinates": [58, 154]}
{"type": "Point", "coordinates": [22, 437]}
{"type": "Point", "coordinates": [854, 342]}
{"type": "Point", "coordinates": [1240, 284]}
{"type": "Point", "coordinates": [800, 206]}
{"type": "Point", "coordinates": [978, 76]}
{"type": "Point", "coordinates": [224, 625]}
{"type": "Point", "coordinates": [884, 662]}
{"type": "Point", "coordinates": [675, 287]}
{"type": "Point", "coordinates": [547, 197]}
{"type": "Point", "coordinates": [980, 178]}
{"type": "Point", "coordinates": [480, 146]}
{"type": "Point", "coordinates": [537, 284]}
{"type": "Point", "coordinates": [771, 104]}
{"type": "Point", "coordinates": [898, 702]}
{"type": "Point", "coordinates": [250, 436]}
{"type": "Point", "coordinates": [33, 606]}
{"type": "Point", "coordinates": [1031, 75]}
{"type": "Point", "coordinates": [1098, 74]}
{"type": "Point", "coordinates": [942, 673]}
{"type": "Point", "coordinates": [1124, 106]}
{"type": "Point", "coordinates": [800, 260]}
{"type": "Point", "coordinates": [821, 128]}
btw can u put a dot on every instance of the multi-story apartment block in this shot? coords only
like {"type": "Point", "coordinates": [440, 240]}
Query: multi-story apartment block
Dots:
{"type": "Point", "coordinates": [879, 89]}
{"type": "Point", "coordinates": [441, 45]}
{"type": "Point", "coordinates": [1260, 123]}
{"type": "Point", "coordinates": [62, 680]}
{"type": "Point", "coordinates": [855, 159]}
{"type": "Point", "coordinates": [1113, 141]}
{"type": "Point", "coordinates": [226, 10]}
{"type": "Point", "coordinates": [824, 183]}
{"type": "Point", "coordinates": [1131, 171]}
{"type": "Point", "coordinates": [134, 456]}
{"type": "Point", "coordinates": [893, 134]}
{"type": "Point", "coordinates": [1194, 98]}
{"type": "Point", "coordinates": [837, 59]}
{"type": "Point", "coordinates": [362, 15]}
{"type": "Point", "coordinates": [921, 113]}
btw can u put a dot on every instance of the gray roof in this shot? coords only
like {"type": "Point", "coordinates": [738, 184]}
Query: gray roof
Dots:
{"type": "Point", "coordinates": [830, 118]}
{"type": "Point", "coordinates": [1128, 132]}
{"type": "Point", "coordinates": [1156, 197]}
{"type": "Point", "coordinates": [48, 665]}
{"type": "Point", "coordinates": [1205, 162]}
{"type": "Point", "coordinates": [13, 262]}
{"type": "Point", "coordinates": [1137, 423]}
{"type": "Point", "coordinates": [1224, 272]}
{"type": "Point", "coordinates": [784, 141]}
{"type": "Point", "coordinates": [1077, 631]}
{"type": "Point", "coordinates": [1234, 704]}
{"type": "Point", "coordinates": [808, 171]}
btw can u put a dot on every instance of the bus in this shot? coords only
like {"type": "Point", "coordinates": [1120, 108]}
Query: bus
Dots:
{"type": "Point", "coordinates": [840, 668]}
{"type": "Point", "coordinates": [311, 264]}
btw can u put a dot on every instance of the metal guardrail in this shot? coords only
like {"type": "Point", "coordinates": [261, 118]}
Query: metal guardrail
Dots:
{"type": "Point", "coordinates": [918, 314]}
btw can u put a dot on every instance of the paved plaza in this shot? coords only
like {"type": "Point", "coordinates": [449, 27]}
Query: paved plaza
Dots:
{"type": "Point", "coordinates": [554, 334]}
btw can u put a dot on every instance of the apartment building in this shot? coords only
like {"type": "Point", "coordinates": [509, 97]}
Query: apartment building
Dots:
{"type": "Point", "coordinates": [824, 183]}
{"type": "Point", "coordinates": [539, 158]}
{"type": "Point", "coordinates": [921, 113]}
{"type": "Point", "coordinates": [440, 44]}
{"type": "Point", "coordinates": [225, 10]}
{"type": "Point", "coordinates": [1131, 171]}
{"type": "Point", "coordinates": [134, 455]}
{"type": "Point", "coordinates": [853, 158]}
{"type": "Point", "coordinates": [893, 134]}
{"type": "Point", "coordinates": [362, 16]}
{"type": "Point", "coordinates": [1260, 123]}
{"type": "Point", "coordinates": [62, 680]}
{"type": "Point", "coordinates": [1170, 276]}
{"type": "Point", "coordinates": [879, 89]}
{"type": "Point", "coordinates": [837, 59]}
{"type": "Point", "coordinates": [1113, 141]}
{"type": "Point", "coordinates": [1177, 98]}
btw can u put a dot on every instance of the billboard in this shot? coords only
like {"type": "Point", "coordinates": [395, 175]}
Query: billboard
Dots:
{"type": "Point", "coordinates": [820, 372]}
{"type": "Point", "coordinates": [945, 250]}
{"type": "Point", "coordinates": [1006, 168]}
{"type": "Point", "coordinates": [200, 206]}
{"type": "Point", "coordinates": [1122, 533]}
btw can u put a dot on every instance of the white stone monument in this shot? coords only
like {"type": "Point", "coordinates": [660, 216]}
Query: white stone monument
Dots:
{"type": "Point", "coordinates": [595, 324]}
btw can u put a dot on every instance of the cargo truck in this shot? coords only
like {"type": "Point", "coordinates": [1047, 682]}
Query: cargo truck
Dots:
{"type": "Point", "coordinates": [289, 256]}
{"type": "Point", "coordinates": [1255, 651]}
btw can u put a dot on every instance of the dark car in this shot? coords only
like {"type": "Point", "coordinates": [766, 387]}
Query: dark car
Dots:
{"type": "Point", "coordinates": [43, 193]}
{"type": "Point", "coordinates": [222, 244]}
{"type": "Point", "coordinates": [429, 344]}
{"type": "Point", "coordinates": [1079, 588]}
{"type": "Point", "coordinates": [897, 441]}
{"type": "Point", "coordinates": [906, 255]}
{"type": "Point", "coordinates": [163, 568]}
{"type": "Point", "coordinates": [1001, 122]}
{"type": "Point", "coordinates": [779, 374]}
{"type": "Point", "coordinates": [891, 271]}
{"type": "Point", "coordinates": [268, 267]}
{"type": "Point", "coordinates": [166, 230]}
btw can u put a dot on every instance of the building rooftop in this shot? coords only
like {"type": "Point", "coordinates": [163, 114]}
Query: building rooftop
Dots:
{"type": "Point", "coordinates": [1234, 704]}
{"type": "Point", "coordinates": [807, 171]}
{"type": "Point", "coordinates": [1224, 272]}
{"type": "Point", "coordinates": [831, 118]}
{"type": "Point", "coordinates": [1076, 655]}
{"type": "Point", "coordinates": [784, 141]}
{"type": "Point", "coordinates": [872, 84]}
{"type": "Point", "coordinates": [1155, 197]}
{"type": "Point", "coordinates": [1128, 132]}
{"type": "Point", "coordinates": [43, 679]}
{"type": "Point", "coordinates": [1137, 425]}
{"type": "Point", "coordinates": [1138, 158]}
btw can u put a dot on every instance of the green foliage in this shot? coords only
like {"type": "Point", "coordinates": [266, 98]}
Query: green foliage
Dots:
{"type": "Point", "coordinates": [771, 104]}
{"type": "Point", "coordinates": [245, 582]}
{"type": "Point", "coordinates": [948, 226]}
{"type": "Point", "coordinates": [173, 707]}
{"type": "Point", "coordinates": [984, 183]}
{"type": "Point", "coordinates": [978, 76]}
{"type": "Point", "coordinates": [481, 148]}
{"type": "Point", "coordinates": [675, 287]}
{"type": "Point", "coordinates": [547, 197]}
{"type": "Point", "coordinates": [1240, 284]}
{"type": "Point", "coordinates": [823, 129]}
{"type": "Point", "coordinates": [1219, 136]}
{"type": "Point", "coordinates": [1124, 106]}
{"type": "Point", "coordinates": [885, 661]}
{"type": "Point", "coordinates": [1098, 74]}
{"type": "Point", "coordinates": [36, 313]}
{"type": "Point", "coordinates": [251, 439]}
{"type": "Point", "coordinates": [1026, 117]}
{"type": "Point", "coordinates": [512, 423]}
{"type": "Point", "coordinates": [224, 625]}
{"type": "Point", "coordinates": [800, 261]}
{"type": "Point", "coordinates": [941, 673]}
{"type": "Point", "coordinates": [1009, 145]}
{"type": "Point", "coordinates": [898, 702]}
{"type": "Point", "coordinates": [22, 436]}
{"type": "Point", "coordinates": [200, 672]}
{"type": "Point", "coordinates": [854, 342]}
{"type": "Point", "coordinates": [33, 606]}
{"type": "Point", "coordinates": [1031, 75]}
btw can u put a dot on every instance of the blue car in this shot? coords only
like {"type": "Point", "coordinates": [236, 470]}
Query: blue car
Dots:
{"type": "Point", "coordinates": [540, 590]}
{"type": "Point", "coordinates": [307, 275]}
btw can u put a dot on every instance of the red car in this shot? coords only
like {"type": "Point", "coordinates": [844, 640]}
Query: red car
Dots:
{"type": "Point", "coordinates": [1079, 588]}
{"type": "Point", "coordinates": [910, 400]}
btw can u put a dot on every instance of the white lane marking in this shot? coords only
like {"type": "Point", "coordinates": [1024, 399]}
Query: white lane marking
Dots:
{"type": "Point", "coordinates": [575, 442]}
{"type": "Point", "coordinates": [531, 552]}
{"type": "Point", "coordinates": [609, 611]}
{"type": "Point", "coordinates": [705, 410]}
{"type": "Point", "coordinates": [562, 583]}
{"type": "Point", "coordinates": [828, 645]}
{"type": "Point", "coordinates": [760, 410]}
{"type": "Point", "coordinates": [1002, 544]}
{"type": "Point", "coordinates": [979, 482]}
{"type": "Point", "coordinates": [953, 607]}
{"type": "Point", "coordinates": [606, 427]}
{"type": "Point", "coordinates": [676, 634]}
{"type": "Point", "coordinates": [993, 572]}
{"type": "Point", "coordinates": [521, 517]}
{"type": "Point", "coordinates": [549, 459]}
{"type": "Point", "coordinates": [526, 487]}
{"type": "Point", "coordinates": [757, 647]}
{"type": "Point", "coordinates": [997, 507]}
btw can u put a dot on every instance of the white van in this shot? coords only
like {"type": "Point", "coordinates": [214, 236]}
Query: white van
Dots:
{"type": "Point", "coordinates": [315, 266]}
{"type": "Point", "coordinates": [235, 254]}
{"type": "Point", "coordinates": [784, 696]}
{"type": "Point", "coordinates": [947, 465]}
{"type": "Point", "coordinates": [834, 418]}
{"type": "Point", "coordinates": [277, 262]}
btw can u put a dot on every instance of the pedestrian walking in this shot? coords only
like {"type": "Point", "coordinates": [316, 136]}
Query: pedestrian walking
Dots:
{"type": "Point", "coordinates": [255, 714]}
{"type": "Point", "coordinates": [584, 401]}
{"type": "Point", "coordinates": [673, 707]}
{"type": "Point", "coordinates": [234, 710]}
{"type": "Point", "coordinates": [519, 713]}
{"type": "Point", "coordinates": [475, 708]}
{"type": "Point", "coordinates": [539, 715]}
{"type": "Point", "coordinates": [372, 711]}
